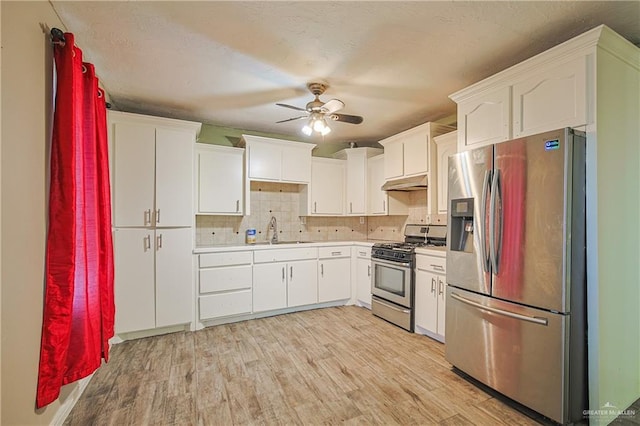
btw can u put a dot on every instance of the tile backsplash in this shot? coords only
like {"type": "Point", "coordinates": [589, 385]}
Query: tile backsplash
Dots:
{"type": "Point", "coordinates": [283, 202]}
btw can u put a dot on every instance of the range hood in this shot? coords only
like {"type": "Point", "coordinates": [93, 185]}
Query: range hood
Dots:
{"type": "Point", "coordinates": [413, 183]}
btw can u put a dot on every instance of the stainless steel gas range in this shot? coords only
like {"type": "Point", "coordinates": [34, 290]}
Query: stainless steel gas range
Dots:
{"type": "Point", "coordinates": [393, 283]}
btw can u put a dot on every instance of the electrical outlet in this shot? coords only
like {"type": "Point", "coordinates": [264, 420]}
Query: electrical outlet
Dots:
{"type": "Point", "coordinates": [303, 220]}
{"type": "Point", "coordinates": [362, 221]}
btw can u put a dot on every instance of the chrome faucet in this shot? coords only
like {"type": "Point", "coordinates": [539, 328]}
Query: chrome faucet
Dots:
{"type": "Point", "coordinates": [273, 224]}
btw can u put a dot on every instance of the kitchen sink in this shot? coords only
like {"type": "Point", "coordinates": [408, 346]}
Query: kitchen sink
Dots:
{"type": "Point", "coordinates": [268, 243]}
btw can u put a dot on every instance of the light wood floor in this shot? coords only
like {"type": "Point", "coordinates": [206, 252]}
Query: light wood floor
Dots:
{"type": "Point", "coordinates": [326, 366]}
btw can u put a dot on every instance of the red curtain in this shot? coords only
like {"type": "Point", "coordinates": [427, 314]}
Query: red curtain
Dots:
{"type": "Point", "coordinates": [78, 306]}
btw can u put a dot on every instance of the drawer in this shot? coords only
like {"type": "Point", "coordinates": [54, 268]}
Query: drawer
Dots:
{"type": "Point", "coordinates": [225, 279]}
{"type": "Point", "coordinates": [225, 259]}
{"type": "Point", "coordinates": [329, 252]}
{"type": "Point", "coordinates": [284, 255]}
{"type": "Point", "coordinates": [362, 252]}
{"type": "Point", "coordinates": [225, 304]}
{"type": "Point", "coordinates": [433, 264]}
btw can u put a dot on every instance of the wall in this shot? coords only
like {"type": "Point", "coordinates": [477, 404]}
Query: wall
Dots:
{"type": "Point", "coordinates": [283, 202]}
{"type": "Point", "coordinates": [614, 317]}
{"type": "Point", "coordinates": [26, 100]}
{"type": "Point", "coordinates": [227, 136]}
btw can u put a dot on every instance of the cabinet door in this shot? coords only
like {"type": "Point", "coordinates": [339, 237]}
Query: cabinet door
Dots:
{"type": "Point", "coordinates": [442, 296]}
{"type": "Point", "coordinates": [296, 165]}
{"type": "Point", "coordinates": [416, 153]}
{"type": "Point", "coordinates": [265, 161]}
{"type": "Point", "coordinates": [269, 286]}
{"type": "Point", "coordinates": [327, 187]}
{"type": "Point", "coordinates": [134, 174]}
{"type": "Point", "coordinates": [220, 181]}
{"type": "Point", "coordinates": [174, 177]}
{"type": "Point", "coordinates": [302, 283]}
{"type": "Point", "coordinates": [551, 100]}
{"type": "Point", "coordinates": [484, 119]}
{"type": "Point", "coordinates": [134, 280]}
{"type": "Point", "coordinates": [334, 280]}
{"type": "Point", "coordinates": [174, 279]}
{"type": "Point", "coordinates": [356, 184]}
{"type": "Point", "coordinates": [445, 146]}
{"type": "Point", "coordinates": [363, 285]}
{"type": "Point", "coordinates": [393, 160]}
{"type": "Point", "coordinates": [426, 314]}
{"type": "Point", "coordinates": [377, 198]}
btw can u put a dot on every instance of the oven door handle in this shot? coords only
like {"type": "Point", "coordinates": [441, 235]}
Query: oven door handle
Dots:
{"type": "Point", "coordinates": [402, 265]}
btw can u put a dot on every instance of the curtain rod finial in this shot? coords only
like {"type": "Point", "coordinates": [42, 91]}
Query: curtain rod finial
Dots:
{"type": "Point", "coordinates": [57, 36]}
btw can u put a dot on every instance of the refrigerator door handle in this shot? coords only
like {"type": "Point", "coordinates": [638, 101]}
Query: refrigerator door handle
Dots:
{"type": "Point", "coordinates": [535, 320]}
{"type": "Point", "coordinates": [483, 225]}
{"type": "Point", "coordinates": [495, 239]}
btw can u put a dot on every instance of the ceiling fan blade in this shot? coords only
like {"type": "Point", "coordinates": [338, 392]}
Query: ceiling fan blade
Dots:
{"type": "Point", "coordinates": [346, 118]}
{"type": "Point", "coordinates": [291, 119]}
{"type": "Point", "coordinates": [292, 107]}
{"type": "Point", "coordinates": [332, 105]}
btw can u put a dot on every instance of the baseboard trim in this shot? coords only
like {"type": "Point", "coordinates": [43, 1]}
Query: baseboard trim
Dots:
{"type": "Point", "coordinates": [70, 401]}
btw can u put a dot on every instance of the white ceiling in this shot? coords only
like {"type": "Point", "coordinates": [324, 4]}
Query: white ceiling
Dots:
{"type": "Point", "coordinates": [395, 63]}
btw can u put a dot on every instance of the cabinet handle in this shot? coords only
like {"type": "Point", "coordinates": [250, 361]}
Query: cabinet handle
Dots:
{"type": "Point", "coordinates": [147, 243]}
{"type": "Point", "coordinates": [363, 253]}
{"type": "Point", "coordinates": [315, 207]}
{"type": "Point", "coordinates": [350, 207]}
{"type": "Point", "coordinates": [237, 205]}
{"type": "Point", "coordinates": [438, 267]}
{"type": "Point", "coordinates": [433, 285]}
{"type": "Point", "coordinates": [283, 273]}
{"type": "Point", "coordinates": [368, 270]}
{"type": "Point", "coordinates": [158, 216]}
{"type": "Point", "coordinates": [384, 206]}
{"type": "Point", "coordinates": [322, 269]}
{"type": "Point", "coordinates": [336, 253]}
{"type": "Point", "coordinates": [440, 286]}
{"type": "Point", "coordinates": [147, 217]}
{"type": "Point", "coordinates": [290, 272]}
{"type": "Point", "coordinates": [159, 241]}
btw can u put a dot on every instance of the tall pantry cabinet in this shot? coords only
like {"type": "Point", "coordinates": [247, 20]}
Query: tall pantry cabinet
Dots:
{"type": "Point", "coordinates": [152, 181]}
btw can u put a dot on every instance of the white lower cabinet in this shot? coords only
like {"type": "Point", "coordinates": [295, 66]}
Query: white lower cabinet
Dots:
{"type": "Point", "coordinates": [153, 276]}
{"type": "Point", "coordinates": [270, 286]}
{"type": "Point", "coordinates": [334, 273]}
{"type": "Point", "coordinates": [430, 295]}
{"type": "Point", "coordinates": [284, 278]}
{"type": "Point", "coordinates": [363, 275]}
{"type": "Point", "coordinates": [225, 282]}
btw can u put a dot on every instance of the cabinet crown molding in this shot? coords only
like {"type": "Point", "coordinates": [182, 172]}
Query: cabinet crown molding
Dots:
{"type": "Point", "coordinates": [582, 45]}
{"type": "Point", "coordinates": [129, 117]}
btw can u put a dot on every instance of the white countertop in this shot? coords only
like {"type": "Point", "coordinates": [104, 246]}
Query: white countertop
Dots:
{"type": "Point", "coordinates": [267, 246]}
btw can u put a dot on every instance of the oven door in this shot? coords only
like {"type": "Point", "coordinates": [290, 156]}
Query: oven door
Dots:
{"type": "Point", "coordinates": [392, 281]}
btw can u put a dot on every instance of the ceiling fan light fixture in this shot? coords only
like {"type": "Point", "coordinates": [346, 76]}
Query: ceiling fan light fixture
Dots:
{"type": "Point", "coordinates": [307, 130]}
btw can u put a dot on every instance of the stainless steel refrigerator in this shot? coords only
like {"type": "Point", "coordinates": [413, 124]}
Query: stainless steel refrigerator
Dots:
{"type": "Point", "coordinates": [516, 296]}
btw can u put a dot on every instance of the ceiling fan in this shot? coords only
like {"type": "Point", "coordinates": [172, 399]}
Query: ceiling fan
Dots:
{"type": "Point", "coordinates": [317, 112]}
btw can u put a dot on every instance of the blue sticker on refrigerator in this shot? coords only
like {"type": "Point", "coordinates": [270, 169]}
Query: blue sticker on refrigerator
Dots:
{"type": "Point", "coordinates": [551, 145]}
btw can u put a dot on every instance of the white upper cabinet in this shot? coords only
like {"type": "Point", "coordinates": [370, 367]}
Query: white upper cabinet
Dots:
{"type": "Point", "coordinates": [152, 163]}
{"type": "Point", "coordinates": [356, 178]}
{"type": "Point", "coordinates": [379, 202]}
{"type": "Point", "coordinates": [324, 196]}
{"type": "Point", "coordinates": [446, 145]}
{"type": "Point", "coordinates": [219, 180]}
{"type": "Point", "coordinates": [551, 99]}
{"type": "Point", "coordinates": [486, 118]}
{"type": "Point", "coordinates": [407, 154]}
{"type": "Point", "coordinates": [276, 160]}
{"type": "Point", "coordinates": [546, 92]}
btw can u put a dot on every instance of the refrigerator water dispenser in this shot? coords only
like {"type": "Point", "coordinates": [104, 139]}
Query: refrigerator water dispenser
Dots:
{"type": "Point", "coordinates": [462, 225]}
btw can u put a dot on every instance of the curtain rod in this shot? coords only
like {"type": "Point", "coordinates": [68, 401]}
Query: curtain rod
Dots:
{"type": "Point", "coordinates": [57, 36]}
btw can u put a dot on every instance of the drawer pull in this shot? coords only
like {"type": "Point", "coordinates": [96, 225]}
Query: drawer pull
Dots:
{"type": "Point", "coordinates": [438, 267]}
{"type": "Point", "coordinates": [336, 253]}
